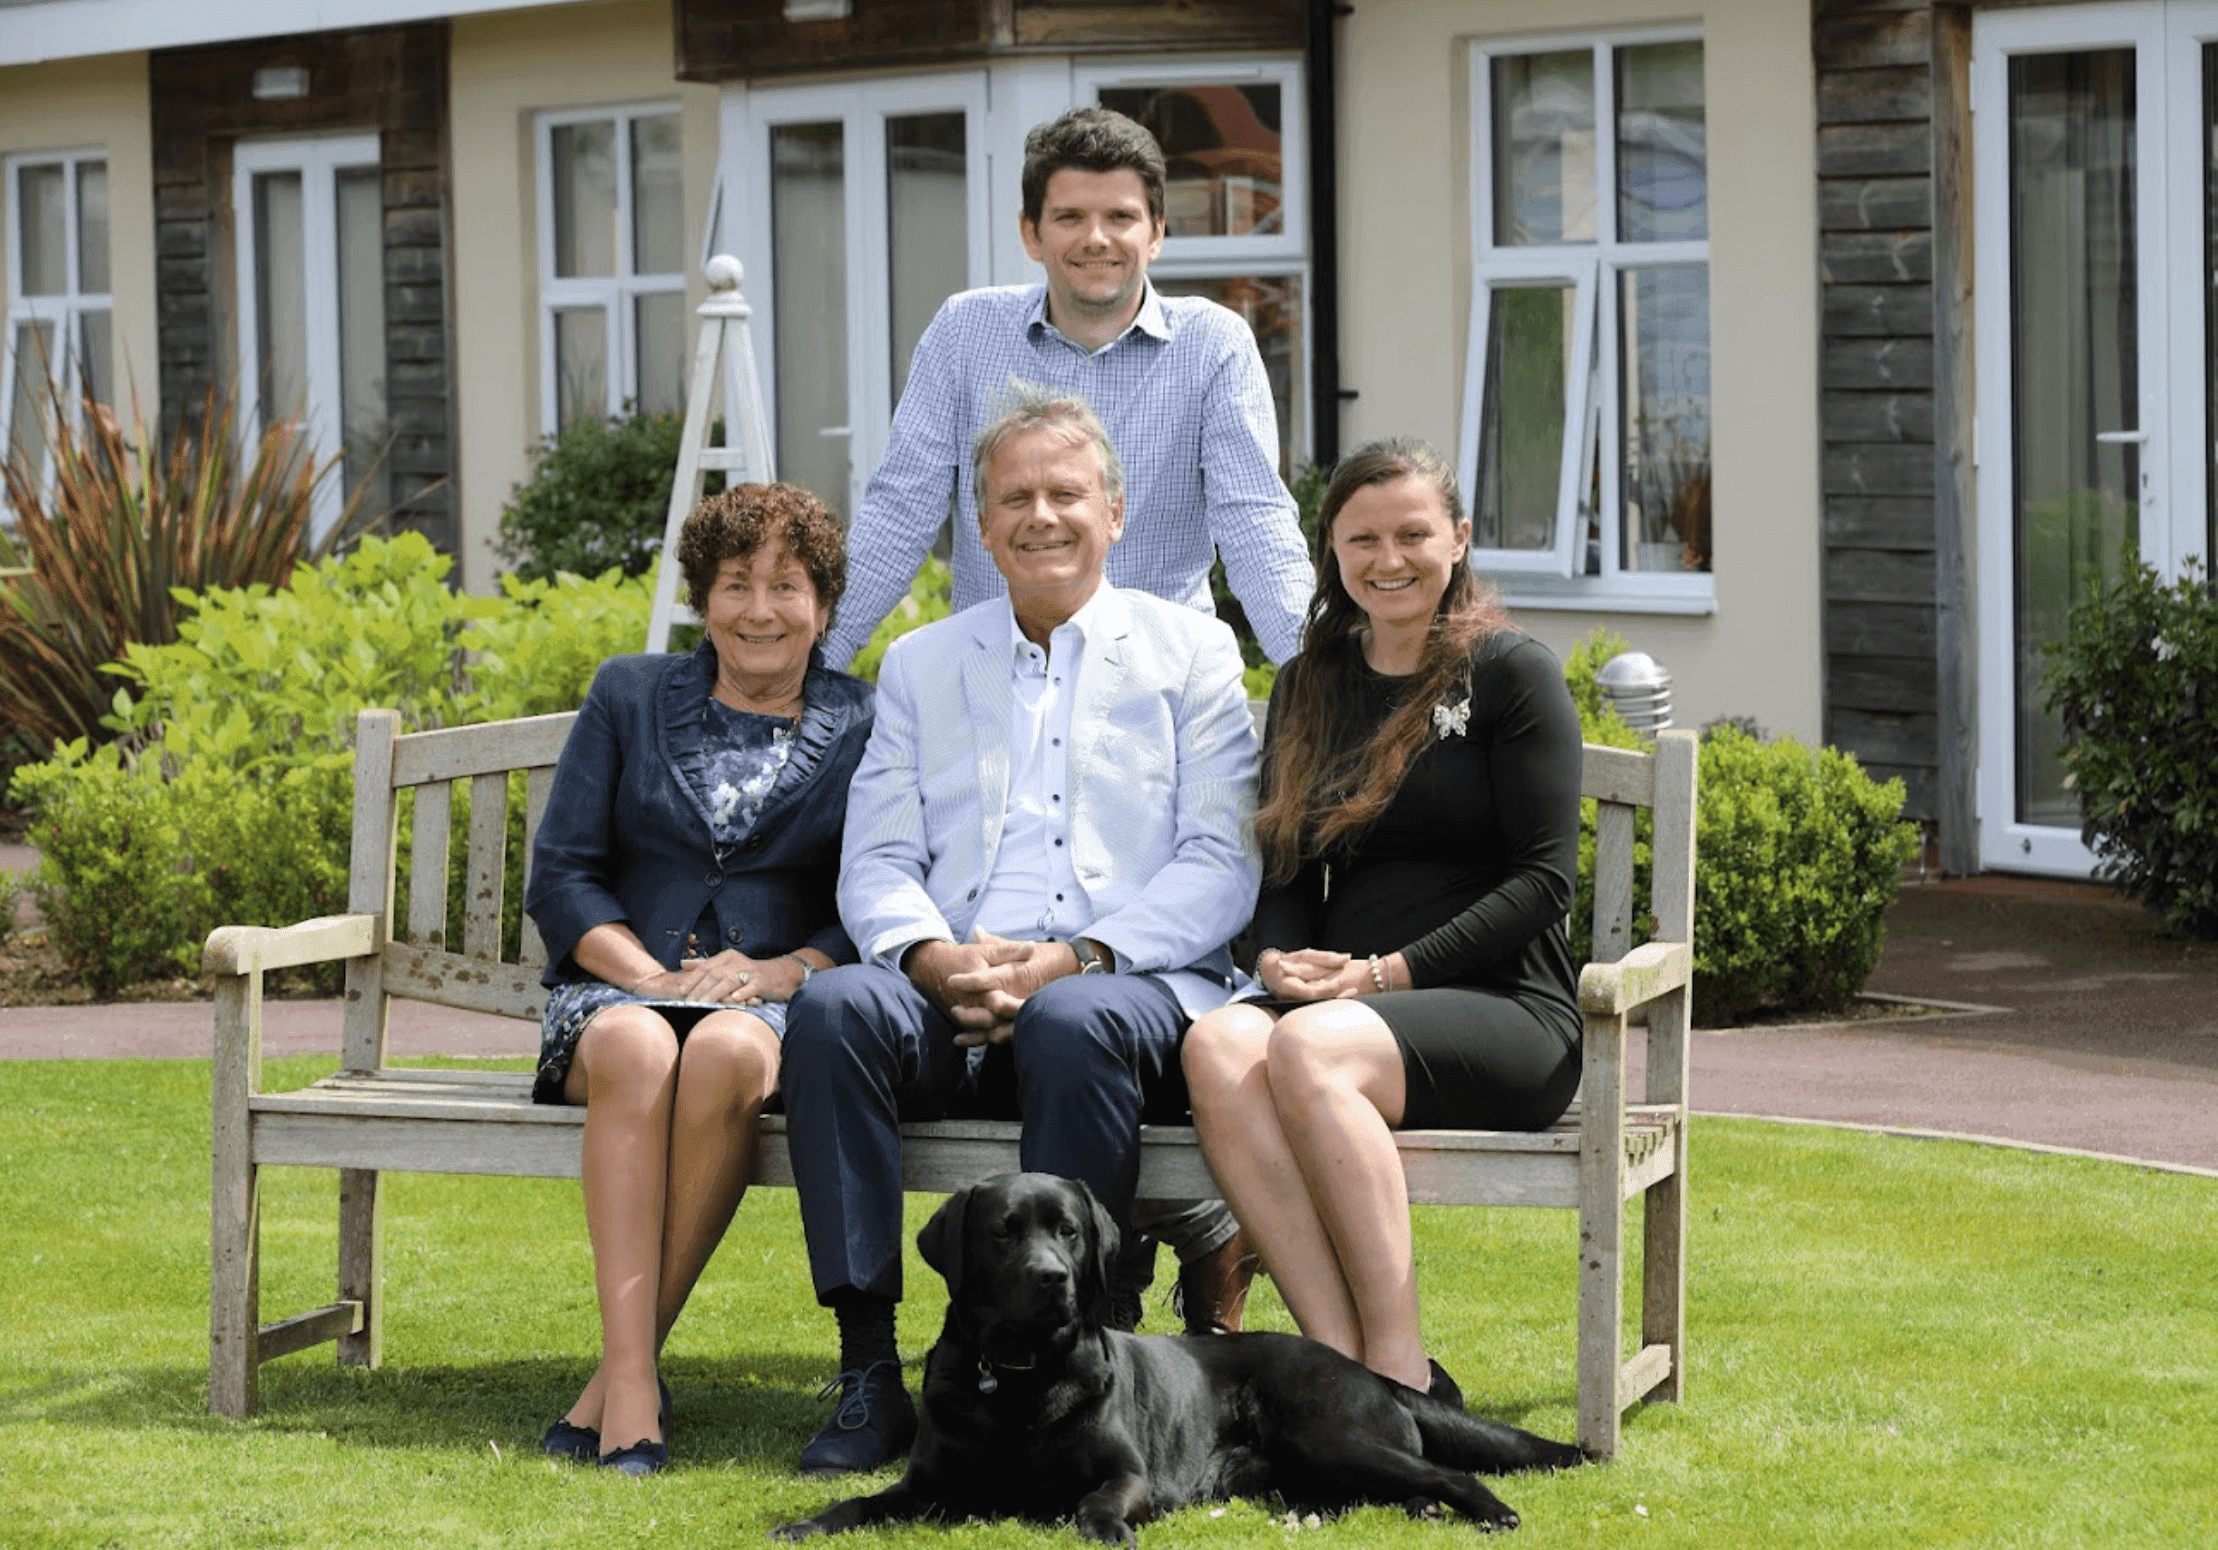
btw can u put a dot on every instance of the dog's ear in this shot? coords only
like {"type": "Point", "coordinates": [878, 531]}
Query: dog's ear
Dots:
{"type": "Point", "coordinates": [1101, 1250]}
{"type": "Point", "coordinates": [942, 1240]}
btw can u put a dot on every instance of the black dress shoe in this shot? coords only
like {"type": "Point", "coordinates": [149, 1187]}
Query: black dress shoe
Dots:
{"type": "Point", "coordinates": [873, 1426]}
{"type": "Point", "coordinates": [644, 1457]}
{"type": "Point", "coordinates": [564, 1441]}
{"type": "Point", "coordinates": [1212, 1292]}
{"type": "Point", "coordinates": [1442, 1387]}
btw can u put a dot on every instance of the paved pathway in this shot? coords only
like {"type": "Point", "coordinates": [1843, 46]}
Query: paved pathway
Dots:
{"type": "Point", "coordinates": [2106, 1041]}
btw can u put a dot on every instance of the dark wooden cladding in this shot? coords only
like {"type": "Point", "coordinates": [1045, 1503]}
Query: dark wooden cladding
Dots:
{"type": "Point", "coordinates": [391, 80]}
{"type": "Point", "coordinates": [724, 40]}
{"type": "Point", "coordinates": [1875, 99]}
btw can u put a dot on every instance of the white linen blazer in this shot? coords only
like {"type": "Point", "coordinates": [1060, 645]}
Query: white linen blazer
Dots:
{"type": "Point", "coordinates": [1162, 773]}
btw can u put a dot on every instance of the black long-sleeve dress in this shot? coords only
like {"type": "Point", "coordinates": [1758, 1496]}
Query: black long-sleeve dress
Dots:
{"type": "Point", "coordinates": [1468, 874]}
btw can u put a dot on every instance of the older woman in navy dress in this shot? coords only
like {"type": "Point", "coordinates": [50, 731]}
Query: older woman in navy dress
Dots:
{"type": "Point", "coordinates": [683, 882]}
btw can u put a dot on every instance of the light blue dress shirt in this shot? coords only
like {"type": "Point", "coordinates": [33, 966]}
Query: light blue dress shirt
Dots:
{"type": "Point", "coordinates": [1186, 403]}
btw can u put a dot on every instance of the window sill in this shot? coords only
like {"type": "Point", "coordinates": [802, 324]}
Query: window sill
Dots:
{"type": "Point", "coordinates": [1584, 596]}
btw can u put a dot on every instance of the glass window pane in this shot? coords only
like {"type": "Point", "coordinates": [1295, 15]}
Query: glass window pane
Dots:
{"type": "Point", "coordinates": [584, 157]}
{"type": "Point", "coordinates": [1272, 305]}
{"type": "Point", "coordinates": [96, 355]}
{"type": "Point", "coordinates": [808, 224]}
{"type": "Point", "coordinates": [2210, 289]}
{"type": "Point", "coordinates": [658, 196]}
{"type": "Point", "coordinates": [361, 217]}
{"type": "Point", "coordinates": [581, 363]}
{"type": "Point", "coordinates": [1223, 153]}
{"type": "Point", "coordinates": [1530, 336]}
{"type": "Point", "coordinates": [1664, 348]}
{"type": "Point", "coordinates": [2075, 367]}
{"type": "Point", "coordinates": [1543, 148]}
{"type": "Point", "coordinates": [280, 297]}
{"type": "Point", "coordinates": [658, 319]}
{"type": "Point", "coordinates": [1663, 190]}
{"type": "Point", "coordinates": [92, 227]}
{"type": "Point", "coordinates": [34, 349]}
{"type": "Point", "coordinates": [927, 225]}
{"type": "Point", "coordinates": [42, 220]}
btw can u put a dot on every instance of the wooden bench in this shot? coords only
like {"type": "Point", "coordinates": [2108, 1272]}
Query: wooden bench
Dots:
{"type": "Point", "coordinates": [373, 1118]}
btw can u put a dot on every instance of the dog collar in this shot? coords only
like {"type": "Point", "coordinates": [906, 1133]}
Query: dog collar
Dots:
{"type": "Point", "coordinates": [987, 1382]}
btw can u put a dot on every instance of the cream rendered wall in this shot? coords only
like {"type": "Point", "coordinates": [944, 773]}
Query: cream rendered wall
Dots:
{"type": "Point", "coordinates": [99, 104]}
{"type": "Point", "coordinates": [1405, 295]}
{"type": "Point", "coordinates": [506, 69]}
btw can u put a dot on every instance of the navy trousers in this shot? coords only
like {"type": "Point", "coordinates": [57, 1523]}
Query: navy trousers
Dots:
{"type": "Point", "coordinates": [1093, 1055]}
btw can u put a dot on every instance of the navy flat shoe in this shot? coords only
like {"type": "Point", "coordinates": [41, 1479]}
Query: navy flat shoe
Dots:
{"type": "Point", "coordinates": [641, 1459]}
{"type": "Point", "coordinates": [564, 1441]}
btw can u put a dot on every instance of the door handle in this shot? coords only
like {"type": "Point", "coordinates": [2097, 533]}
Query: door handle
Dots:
{"type": "Point", "coordinates": [835, 430]}
{"type": "Point", "coordinates": [2120, 438]}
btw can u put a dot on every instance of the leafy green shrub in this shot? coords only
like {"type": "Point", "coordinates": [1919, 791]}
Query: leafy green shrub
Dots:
{"type": "Point", "coordinates": [124, 526]}
{"type": "Point", "coordinates": [13, 886]}
{"type": "Point", "coordinates": [2135, 681]}
{"type": "Point", "coordinates": [1797, 856]}
{"type": "Point", "coordinates": [231, 787]}
{"type": "Point", "coordinates": [930, 597]}
{"type": "Point", "coordinates": [597, 499]}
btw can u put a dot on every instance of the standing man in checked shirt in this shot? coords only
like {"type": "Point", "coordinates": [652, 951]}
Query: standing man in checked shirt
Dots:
{"type": "Point", "coordinates": [1176, 379]}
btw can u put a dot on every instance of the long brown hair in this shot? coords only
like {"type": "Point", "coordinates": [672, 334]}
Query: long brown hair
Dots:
{"type": "Point", "coordinates": [1318, 794]}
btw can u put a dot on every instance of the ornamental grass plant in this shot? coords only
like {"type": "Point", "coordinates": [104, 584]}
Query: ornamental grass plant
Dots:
{"type": "Point", "coordinates": [1892, 1343]}
{"type": "Point", "coordinates": [128, 521]}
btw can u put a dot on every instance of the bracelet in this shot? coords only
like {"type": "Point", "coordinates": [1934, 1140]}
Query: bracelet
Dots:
{"type": "Point", "coordinates": [1378, 977]}
{"type": "Point", "coordinates": [808, 969]}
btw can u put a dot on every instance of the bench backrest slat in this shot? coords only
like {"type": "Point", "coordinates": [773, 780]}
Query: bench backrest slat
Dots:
{"type": "Point", "coordinates": [537, 783]}
{"type": "Point", "coordinates": [427, 880]}
{"type": "Point", "coordinates": [1613, 881]}
{"type": "Point", "coordinates": [488, 874]}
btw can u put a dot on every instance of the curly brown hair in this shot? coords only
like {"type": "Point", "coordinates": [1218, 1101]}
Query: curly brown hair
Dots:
{"type": "Point", "coordinates": [1091, 139]}
{"type": "Point", "coordinates": [1317, 793]}
{"type": "Point", "coordinates": [736, 522]}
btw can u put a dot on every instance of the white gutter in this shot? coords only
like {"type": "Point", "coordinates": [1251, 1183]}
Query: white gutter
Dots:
{"type": "Point", "coordinates": [34, 31]}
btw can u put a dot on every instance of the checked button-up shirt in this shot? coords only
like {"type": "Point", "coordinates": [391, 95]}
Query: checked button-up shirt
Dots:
{"type": "Point", "coordinates": [1186, 403]}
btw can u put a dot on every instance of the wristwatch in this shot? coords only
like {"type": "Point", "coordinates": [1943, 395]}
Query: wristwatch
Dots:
{"type": "Point", "coordinates": [1091, 959]}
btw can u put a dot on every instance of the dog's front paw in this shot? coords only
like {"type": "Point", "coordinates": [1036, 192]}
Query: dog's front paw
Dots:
{"type": "Point", "coordinates": [1106, 1528]}
{"type": "Point", "coordinates": [807, 1528]}
{"type": "Point", "coordinates": [1498, 1518]}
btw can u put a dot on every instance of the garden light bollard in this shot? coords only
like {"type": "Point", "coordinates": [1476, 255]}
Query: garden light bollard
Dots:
{"type": "Point", "coordinates": [1639, 687]}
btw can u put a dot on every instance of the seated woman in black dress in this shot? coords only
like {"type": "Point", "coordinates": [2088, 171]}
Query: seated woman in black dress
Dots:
{"type": "Point", "coordinates": [683, 883]}
{"type": "Point", "coordinates": [1424, 754]}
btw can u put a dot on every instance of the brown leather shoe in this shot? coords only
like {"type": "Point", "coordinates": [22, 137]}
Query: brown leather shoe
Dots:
{"type": "Point", "coordinates": [1212, 1292]}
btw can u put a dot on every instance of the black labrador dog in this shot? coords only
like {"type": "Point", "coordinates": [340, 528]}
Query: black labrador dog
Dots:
{"type": "Point", "coordinates": [1032, 1409]}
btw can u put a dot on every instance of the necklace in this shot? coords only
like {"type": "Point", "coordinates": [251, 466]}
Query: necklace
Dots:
{"type": "Point", "coordinates": [788, 705]}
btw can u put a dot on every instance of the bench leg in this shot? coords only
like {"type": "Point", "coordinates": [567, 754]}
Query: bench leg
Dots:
{"type": "Point", "coordinates": [1601, 1234]}
{"type": "Point", "coordinates": [1663, 1293]}
{"type": "Point", "coordinates": [235, 1202]}
{"type": "Point", "coordinates": [234, 1293]}
{"type": "Point", "coordinates": [362, 1265]}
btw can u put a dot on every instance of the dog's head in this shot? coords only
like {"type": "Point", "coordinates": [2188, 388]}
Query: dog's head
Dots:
{"type": "Point", "coordinates": [1025, 1256]}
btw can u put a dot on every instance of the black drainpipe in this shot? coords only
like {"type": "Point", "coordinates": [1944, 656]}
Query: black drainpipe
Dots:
{"type": "Point", "coordinates": [1325, 392]}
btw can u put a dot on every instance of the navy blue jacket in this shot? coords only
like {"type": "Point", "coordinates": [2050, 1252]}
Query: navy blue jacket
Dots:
{"type": "Point", "coordinates": [626, 834]}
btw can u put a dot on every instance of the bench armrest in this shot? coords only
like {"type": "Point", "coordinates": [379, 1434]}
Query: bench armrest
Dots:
{"type": "Point", "coordinates": [243, 949]}
{"type": "Point", "coordinates": [1648, 971]}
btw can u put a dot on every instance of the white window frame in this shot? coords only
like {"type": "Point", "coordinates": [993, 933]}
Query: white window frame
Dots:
{"type": "Point", "coordinates": [861, 108]}
{"type": "Point", "coordinates": [1281, 255]}
{"type": "Point", "coordinates": [65, 312]}
{"type": "Point", "coordinates": [613, 294]}
{"type": "Point", "coordinates": [1554, 577]}
{"type": "Point", "coordinates": [319, 160]}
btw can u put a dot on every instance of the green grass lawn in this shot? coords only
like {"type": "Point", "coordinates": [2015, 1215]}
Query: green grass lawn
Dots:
{"type": "Point", "coordinates": [1893, 1342]}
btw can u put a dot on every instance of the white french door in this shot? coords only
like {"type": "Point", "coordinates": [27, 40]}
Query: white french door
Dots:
{"type": "Point", "coordinates": [862, 206]}
{"type": "Point", "coordinates": [2093, 161]}
{"type": "Point", "coordinates": [309, 215]}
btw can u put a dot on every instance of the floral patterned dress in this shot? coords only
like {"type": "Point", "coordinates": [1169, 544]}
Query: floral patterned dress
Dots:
{"type": "Point", "coordinates": [746, 756]}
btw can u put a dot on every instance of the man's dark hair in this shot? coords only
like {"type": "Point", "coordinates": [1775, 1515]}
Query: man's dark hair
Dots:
{"type": "Point", "coordinates": [1092, 140]}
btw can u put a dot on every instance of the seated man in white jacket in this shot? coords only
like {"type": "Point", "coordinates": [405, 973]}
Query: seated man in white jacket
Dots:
{"type": "Point", "coordinates": [1048, 846]}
